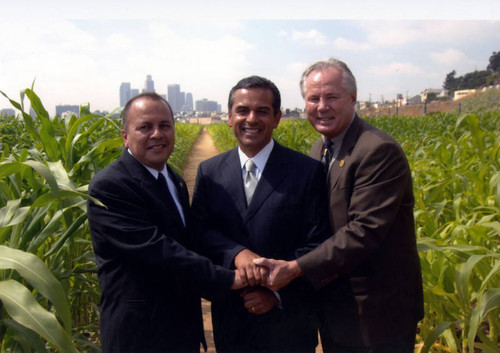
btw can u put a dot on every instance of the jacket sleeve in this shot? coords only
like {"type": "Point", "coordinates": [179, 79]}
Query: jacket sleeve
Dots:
{"type": "Point", "coordinates": [126, 227]}
{"type": "Point", "coordinates": [208, 237]}
{"type": "Point", "coordinates": [370, 197]}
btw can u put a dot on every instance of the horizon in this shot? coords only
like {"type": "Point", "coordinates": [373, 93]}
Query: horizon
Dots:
{"type": "Point", "coordinates": [81, 55]}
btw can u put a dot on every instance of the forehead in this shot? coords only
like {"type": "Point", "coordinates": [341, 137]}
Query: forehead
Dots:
{"type": "Point", "coordinates": [148, 109]}
{"type": "Point", "coordinates": [324, 78]}
{"type": "Point", "coordinates": [253, 97]}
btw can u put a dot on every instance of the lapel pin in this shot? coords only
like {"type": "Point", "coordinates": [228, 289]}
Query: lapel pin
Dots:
{"type": "Point", "coordinates": [341, 163]}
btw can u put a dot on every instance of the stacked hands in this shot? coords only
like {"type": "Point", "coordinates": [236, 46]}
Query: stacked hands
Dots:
{"type": "Point", "coordinates": [261, 277]}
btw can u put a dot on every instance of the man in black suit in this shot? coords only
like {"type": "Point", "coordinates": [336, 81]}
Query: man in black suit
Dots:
{"type": "Point", "coordinates": [283, 218]}
{"type": "Point", "coordinates": [151, 284]}
{"type": "Point", "coordinates": [368, 270]}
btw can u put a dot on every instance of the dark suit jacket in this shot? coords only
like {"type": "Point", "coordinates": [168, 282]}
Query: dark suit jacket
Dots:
{"type": "Point", "coordinates": [286, 218]}
{"type": "Point", "coordinates": [378, 296]}
{"type": "Point", "coordinates": [151, 284]}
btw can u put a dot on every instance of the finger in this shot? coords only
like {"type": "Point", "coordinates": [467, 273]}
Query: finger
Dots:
{"type": "Point", "coordinates": [261, 261]}
{"type": "Point", "coordinates": [248, 275]}
{"type": "Point", "coordinates": [264, 273]}
{"type": "Point", "coordinates": [257, 276]}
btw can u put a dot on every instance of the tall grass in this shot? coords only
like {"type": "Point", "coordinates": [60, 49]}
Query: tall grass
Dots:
{"type": "Point", "coordinates": [455, 162]}
{"type": "Point", "coordinates": [48, 285]}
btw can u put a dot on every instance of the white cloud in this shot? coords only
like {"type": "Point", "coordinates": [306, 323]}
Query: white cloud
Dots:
{"type": "Point", "coordinates": [351, 45]}
{"type": "Point", "coordinates": [396, 33]}
{"type": "Point", "coordinates": [395, 68]}
{"type": "Point", "coordinates": [450, 57]}
{"type": "Point", "coordinates": [312, 36]}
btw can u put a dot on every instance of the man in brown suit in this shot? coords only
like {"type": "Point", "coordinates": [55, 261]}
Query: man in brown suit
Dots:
{"type": "Point", "coordinates": [368, 271]}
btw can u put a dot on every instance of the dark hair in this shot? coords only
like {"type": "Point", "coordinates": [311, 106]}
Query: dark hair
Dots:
{"type": "Point", "coordinates": [348, 80]}
{"type": "Point", "coordinates": [150, 95]}
{"type": "Point", "coordinates": [256, 82]}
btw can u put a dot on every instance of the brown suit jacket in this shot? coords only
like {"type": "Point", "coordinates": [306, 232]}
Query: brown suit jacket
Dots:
{"type": "Point", "coordinates": [368, 270]}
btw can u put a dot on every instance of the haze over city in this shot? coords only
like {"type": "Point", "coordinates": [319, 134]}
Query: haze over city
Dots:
{"type": "Point", "coordinates": [81, 54]}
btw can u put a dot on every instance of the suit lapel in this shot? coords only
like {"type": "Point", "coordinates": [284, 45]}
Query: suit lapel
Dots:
{"type": "Point", "coordinates": [343, 158]}
{"type": "Point", "coordinates": [233, 181]}
{"type": "Point", "coordinates": [148, 183]}
{"type": "Point", "coordinates": [181, 187]}
{"type": "Point", "coordinates": [275, 171]}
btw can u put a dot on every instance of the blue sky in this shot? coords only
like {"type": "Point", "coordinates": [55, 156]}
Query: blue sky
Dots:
{"type": "Point", "coordinates": [80, 53]}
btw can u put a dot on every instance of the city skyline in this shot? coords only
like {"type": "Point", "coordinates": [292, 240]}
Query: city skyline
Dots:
{"type": "Point", "coordinates": [81, 54]}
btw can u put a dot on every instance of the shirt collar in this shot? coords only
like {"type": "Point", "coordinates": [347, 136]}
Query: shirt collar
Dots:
{"type": "Point", "coordinates": [337, 140]}
{"type": "Point", "coordinates": [260, 159]}
{"type": "Point", "coordinates": [153, 171]}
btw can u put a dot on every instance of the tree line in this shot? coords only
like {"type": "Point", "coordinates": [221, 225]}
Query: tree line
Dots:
{"type": "Point", "coordinates": [475, 79]}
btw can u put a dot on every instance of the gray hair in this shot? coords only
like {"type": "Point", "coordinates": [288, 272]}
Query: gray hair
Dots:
{"type": "Point", "coordinates": [348, 80]}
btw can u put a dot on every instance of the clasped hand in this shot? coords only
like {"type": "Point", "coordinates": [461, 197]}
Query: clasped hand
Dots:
{"type": "Point", "coordinates": [253, 274]}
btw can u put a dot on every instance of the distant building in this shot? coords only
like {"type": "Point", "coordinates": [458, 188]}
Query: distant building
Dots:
{"type": "Point", "coordinates": [63, 110]}
{"type": "Point", "coordinates": [440, 93]}
{"type": "Point", "coordinates": [462, 93]}
{"type": "Point", "coordinates": [134, 92]}
{"type": "Point", "coordinates": [149, 85]}
{"type": "Point", "coordinates": [189, 102]}
{"type": "Point", "coordinates": [173, 94]}
{"type": "Point", "coordinates": [413, 100]}
{"type": "Point", "coordinates": [125, 93]}
{"type": "Point", "coordinates": [8, 112]}
{"type": "Point", "coordinates": [205, 106]}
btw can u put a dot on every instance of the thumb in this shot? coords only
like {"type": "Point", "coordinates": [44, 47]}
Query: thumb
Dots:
{"type": "Point", "coordinates": [261, 261]}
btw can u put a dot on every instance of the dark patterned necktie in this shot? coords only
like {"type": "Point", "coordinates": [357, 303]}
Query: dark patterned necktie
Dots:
{"type": "Point", "coordinates": [327, 154]}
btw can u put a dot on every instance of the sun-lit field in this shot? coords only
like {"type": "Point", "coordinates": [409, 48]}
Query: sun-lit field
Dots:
{"type": "Point", "coordinates": [48, 282]}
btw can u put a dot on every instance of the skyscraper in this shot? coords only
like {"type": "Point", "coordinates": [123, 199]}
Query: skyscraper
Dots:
{"type": "Point", "coordinates": [125, 94]}
{"type": "Point", "coordinates": [149, 85]}
{"type": "Point", "coordinates": [189, 102]}
{"type": "Point", "coordinates": [174, 92]}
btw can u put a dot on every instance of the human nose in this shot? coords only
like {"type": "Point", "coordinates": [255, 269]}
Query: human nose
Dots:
{"type": "Point", "coordinates": [156, 132]}
{"type": "Point", "coordinates": [322, 104]}
{"type": "Point", "coordinates": [251, 117]}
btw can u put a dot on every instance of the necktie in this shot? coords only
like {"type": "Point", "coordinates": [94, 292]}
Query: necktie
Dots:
{"type": "Point", "coordinates": [250, 180]}
{"type": "Point", "coordinates": [171, 194]}
{"type": "Point", "coordinates": [327, 155]}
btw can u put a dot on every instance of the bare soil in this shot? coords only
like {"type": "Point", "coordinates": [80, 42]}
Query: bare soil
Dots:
{"type": "Point", "coordinates": [203, 149]}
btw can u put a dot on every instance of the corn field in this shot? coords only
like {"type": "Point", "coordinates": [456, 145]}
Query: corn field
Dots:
{"type": "Point", "coordinates": [455, 161]}
{"type": "Point", "coordinates": [48, 285]}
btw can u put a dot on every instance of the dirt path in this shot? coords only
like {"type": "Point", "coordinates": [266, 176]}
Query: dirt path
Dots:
{"type": "Point", "coordinates": [203, 148]}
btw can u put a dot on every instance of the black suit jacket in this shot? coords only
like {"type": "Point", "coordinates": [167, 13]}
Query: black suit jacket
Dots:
{"type": "Point", "coordinates": [151, 284]}
{"type": "Point", "coordinates": [286, 218]}
{"type": "Point", "coordinates": [371, 259]}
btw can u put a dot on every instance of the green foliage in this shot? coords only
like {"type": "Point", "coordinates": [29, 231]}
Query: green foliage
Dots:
{"type": "Point", "coordinates": [49, 291]}
{"type": "Point", "coordinates": [46, 165]}
{"type": "Point", "coordinates": [455, 161]}
{"type": "Point", "coordinates": [494, 62]}
{"type": "Point", "coordinates": [483, 102]}
{"type": "Point", "coordinates": [186, 136]}
{"type": "Point", "coordinates": [223, 137]}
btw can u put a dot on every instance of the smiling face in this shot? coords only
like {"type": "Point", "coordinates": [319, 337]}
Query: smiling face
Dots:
{"type": "Point", "coordinates": [149, 133]}
{"type": "Point", "coordinates": [329, 106]}
{"type": "Point", "coordinates": [252, 119]}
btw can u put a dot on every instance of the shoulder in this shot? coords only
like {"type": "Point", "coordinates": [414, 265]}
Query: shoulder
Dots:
{"type": "Point", "coordinates": [285, 153]}
{"type": "Point", "coordinates": [112, 177]}
{"type": "Point", "coordinates": [220, 159]}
